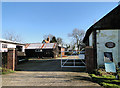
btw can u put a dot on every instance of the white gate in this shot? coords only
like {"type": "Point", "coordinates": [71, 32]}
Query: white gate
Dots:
{"type": "Point", "coordinates": [72, 59]}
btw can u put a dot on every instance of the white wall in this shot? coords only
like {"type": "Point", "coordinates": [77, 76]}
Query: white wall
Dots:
{"type": "Point", "coordinates": [90, 40]}
{"type": "Point", "coordinates": [118, 45]}
{"type": "Point", "coordinates": [10, 46]}
{"type": "Point", "coordinates": [23, 48]}
{"type": "Point", "coordinates": [104, 36]}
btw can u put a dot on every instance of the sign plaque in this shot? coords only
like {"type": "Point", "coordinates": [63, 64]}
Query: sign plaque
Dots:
{"type": "Point", "coordinates": [110, 44]}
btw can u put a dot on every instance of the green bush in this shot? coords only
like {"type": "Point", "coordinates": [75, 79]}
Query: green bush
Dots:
{"type": "Point", "coordinates": [108, 85]}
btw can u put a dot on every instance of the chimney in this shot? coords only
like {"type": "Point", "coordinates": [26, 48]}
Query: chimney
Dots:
{"type": "Point", "coordinates": [48, 40]}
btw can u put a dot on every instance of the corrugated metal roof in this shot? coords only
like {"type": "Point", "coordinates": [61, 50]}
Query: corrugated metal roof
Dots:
{"type": "Point", "coordinates": [34, 46]}
{"type": "Point", "coordinates": [49, 45]}
{"type": "Point", "coordinates": [40, 46]}
{"type": "Point", "coordinates": [9, 41]}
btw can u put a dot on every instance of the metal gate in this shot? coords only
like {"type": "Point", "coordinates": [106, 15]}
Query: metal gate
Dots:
{"type": "Point", "coordinates": [72, 59]}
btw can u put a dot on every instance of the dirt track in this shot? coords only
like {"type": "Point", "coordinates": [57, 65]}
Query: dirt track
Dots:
{"type": "Point", "coordinates": [47, 73]}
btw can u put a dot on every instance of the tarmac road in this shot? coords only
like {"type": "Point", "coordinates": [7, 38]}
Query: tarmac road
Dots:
{"type": "Point", "coordinates": [47, 73]}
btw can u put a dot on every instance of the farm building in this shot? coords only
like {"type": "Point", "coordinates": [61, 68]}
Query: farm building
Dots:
{"type": "Point", "coordinates": [12, 53]}
{"type": "Point", "coordinates": [104, 36]}
{"type": "Point", "coordinates": [5, 44]}
{"type": "Point", "coordinates": [34, 50]}
{"type": "Point", "coordinates": [41, 50]}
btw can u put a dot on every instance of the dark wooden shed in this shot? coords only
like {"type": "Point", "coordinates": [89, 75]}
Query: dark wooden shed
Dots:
{"type": "Point", "coordinates": [41, 50]}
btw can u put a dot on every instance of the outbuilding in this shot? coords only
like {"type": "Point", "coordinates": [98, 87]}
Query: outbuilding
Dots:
{"type": "Point", "coordinates": [104, 36]}
{"type": "Point", "coordinates": [6, 44]}
{"type": "Point", "coordinates": [12, 53]}
{"type": "Point", "coordinates": [41, 50]}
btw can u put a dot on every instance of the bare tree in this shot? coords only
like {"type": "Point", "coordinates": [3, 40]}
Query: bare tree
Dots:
{"type": "Point", "coordinates": [12, 36]}
{"type": "Point", "coordinates": [77, 36]}
{"type": "Point", "coordinates": [59, 40]}
{"type": "Point", "coordinates": [49, 35]}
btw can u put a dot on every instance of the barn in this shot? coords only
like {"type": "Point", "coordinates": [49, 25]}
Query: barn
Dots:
{"type": "Point", "coordinates": [42, 50]}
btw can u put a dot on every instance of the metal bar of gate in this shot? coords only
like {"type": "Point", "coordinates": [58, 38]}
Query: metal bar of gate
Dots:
{"type": "Point", "coordinates": [61, 59]}
{"type": "Point", "coordinates": [74, 60]}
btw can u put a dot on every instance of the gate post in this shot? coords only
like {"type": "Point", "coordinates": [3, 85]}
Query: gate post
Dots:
{"type": "Point", "coordinates": [90, 59]}
{"type": "Point", "coordinates": [16, 59]}
{"type": "Point", "coordinates": [11, 59]}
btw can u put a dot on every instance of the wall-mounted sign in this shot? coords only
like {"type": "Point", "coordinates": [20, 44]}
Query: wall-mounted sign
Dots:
{"type": "Point", "coordinates": [110, 44]}
{"type": "Point", "coordinates": [38, 50]}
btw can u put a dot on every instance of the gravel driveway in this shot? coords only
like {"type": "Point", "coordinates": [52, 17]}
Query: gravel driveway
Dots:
{"type": "Point", "coordinates": [47, 73]}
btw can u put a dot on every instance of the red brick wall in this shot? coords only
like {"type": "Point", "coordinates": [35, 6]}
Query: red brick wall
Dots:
{"type": "Point", "coordinates": [90, 59]}
{"type": "Point", "coordinates": [11, 59]}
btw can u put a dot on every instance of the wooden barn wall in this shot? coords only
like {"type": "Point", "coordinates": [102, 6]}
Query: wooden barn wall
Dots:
{"type": "Point", "coordinates": [45, 53]}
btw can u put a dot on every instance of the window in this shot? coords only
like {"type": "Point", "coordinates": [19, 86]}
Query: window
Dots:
{"type": "Point", "coordinates": [19, 48]}
{"type": "Point", "coordinates": [4, 45]}
{"type": "Point", "coordinates": [38, 50]}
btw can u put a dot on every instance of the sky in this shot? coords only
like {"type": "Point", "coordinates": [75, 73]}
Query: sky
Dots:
{"type": "Point", "coordinates": [33, 20]}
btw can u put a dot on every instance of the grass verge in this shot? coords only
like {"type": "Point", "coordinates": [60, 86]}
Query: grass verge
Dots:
{"type": "Point", "coordinates": [6, 71]}
{"type": "Point", "coordinates": [107, 81]}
